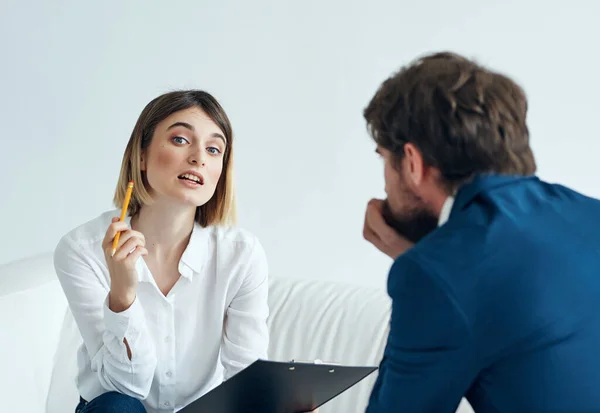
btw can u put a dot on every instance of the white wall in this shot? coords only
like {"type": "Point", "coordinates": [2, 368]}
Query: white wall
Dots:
{"type": "Point", "coordinates": [294, 77]}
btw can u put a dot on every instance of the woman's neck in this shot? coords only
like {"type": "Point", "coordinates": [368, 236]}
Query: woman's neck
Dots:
{"type": "Point", "coordinates": [166, 229]}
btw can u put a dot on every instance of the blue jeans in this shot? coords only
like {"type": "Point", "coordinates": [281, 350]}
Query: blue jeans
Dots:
{"type": "Point", "coordinates": [111, 402]}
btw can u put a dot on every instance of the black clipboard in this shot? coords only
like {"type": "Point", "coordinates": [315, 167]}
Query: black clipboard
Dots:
{"type": "Point", "coordinates": [279, 387]}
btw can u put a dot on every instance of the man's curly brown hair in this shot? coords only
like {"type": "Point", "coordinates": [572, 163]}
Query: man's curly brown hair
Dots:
{"type": "Point", "coordinates": [464, 119]}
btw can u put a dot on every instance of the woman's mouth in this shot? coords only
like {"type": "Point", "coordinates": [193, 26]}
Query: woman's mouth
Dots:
{"type": "Point", "coordinates": [191, 178]}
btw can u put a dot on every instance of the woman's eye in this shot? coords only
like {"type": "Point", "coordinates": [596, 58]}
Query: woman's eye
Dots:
{"type": "Point", "coordinates": [180, 140]}
{"type": "Point", "coordinates": [213, 150]}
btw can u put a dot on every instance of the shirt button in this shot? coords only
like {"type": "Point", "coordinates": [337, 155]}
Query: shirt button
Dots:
{"type": "Point", "coordinates": [167, 339]}
{"type": "Point", "coordinates": [169, 374]}
{"type": "Point", "coordinates": [167, 404]}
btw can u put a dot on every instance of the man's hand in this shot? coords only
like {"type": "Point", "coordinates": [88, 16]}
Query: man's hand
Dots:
{"type": "Point", "coordinates": [380, 234]}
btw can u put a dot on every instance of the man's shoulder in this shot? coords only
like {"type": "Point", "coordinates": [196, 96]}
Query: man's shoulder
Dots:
{"type": "Point", "coordinates": [511, 214]}
{"type": "Point", "coordinates": [457, 239]}
{"type": "Point", "coordinates": [510, 231]}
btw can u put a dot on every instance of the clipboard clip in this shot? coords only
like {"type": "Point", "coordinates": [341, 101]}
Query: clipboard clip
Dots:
{"type": "Point", "coordinates": [317, 361]}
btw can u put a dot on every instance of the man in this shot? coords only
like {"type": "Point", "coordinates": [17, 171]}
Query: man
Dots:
{"type": "Point", "coordinates": [495, 283]}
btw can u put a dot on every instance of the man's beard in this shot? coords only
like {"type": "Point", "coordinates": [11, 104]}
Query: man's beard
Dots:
{"type": "Point", "coordinates": [415, 223]}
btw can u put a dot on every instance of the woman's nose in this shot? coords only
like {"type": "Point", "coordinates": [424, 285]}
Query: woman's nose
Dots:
{"type": "Point", "coordinates": [197, 158]}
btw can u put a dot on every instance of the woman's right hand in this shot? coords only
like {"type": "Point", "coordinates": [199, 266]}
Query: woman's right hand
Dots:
{"type": "Point", "coordinates": [121, 265]}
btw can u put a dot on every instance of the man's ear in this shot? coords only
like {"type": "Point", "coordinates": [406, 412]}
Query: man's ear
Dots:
{"type": "Point", "coordinates": [414, 164]}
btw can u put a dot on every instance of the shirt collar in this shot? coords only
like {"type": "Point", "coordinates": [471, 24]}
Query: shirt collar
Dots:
{"type": "Point", "coordinates": [484, 183]}
{"type": "Point", "coordinates": [481, 183]}
{"type": "Point", "coordinates": [193, 258]}
{"type": "Point", "coordinates": [445, 212]}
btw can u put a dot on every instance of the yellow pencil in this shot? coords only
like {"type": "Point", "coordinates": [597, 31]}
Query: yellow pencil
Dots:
{"type": "Point", "coordinates": [123, 215]}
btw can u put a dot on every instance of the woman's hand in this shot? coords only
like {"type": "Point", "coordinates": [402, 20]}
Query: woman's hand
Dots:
{"type": "Point", "coordinates": [121, 265]}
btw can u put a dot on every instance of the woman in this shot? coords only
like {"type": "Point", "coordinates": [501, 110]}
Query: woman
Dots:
{"type": "Point", "coordinates": [182, 304]}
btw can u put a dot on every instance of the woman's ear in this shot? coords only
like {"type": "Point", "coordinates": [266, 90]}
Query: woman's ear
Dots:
{"type": "Point", "coordinates": [142, 162]}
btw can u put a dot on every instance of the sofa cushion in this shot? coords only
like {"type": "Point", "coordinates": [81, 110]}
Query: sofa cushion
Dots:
{"type": "Point", "coordinates": [333, 322]}
{"type": "Point", "coordinates": [62, 393]}
{"type": "Point", "coordinates": [31, 320]}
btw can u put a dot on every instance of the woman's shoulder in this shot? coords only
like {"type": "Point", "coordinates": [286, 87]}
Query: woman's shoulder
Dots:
{"type": "Point", "coordinates": [234, 236]}
{"type": "Point", "coordinates": [236, 243]}
{"type": "Point", "coordinates": [90, 232]}
{"type": "Point", "coordinates": [81, 245]}
{"type": "Point", "coordinates": [239, 248]}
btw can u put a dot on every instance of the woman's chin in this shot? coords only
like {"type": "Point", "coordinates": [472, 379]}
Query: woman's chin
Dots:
{"type": "Point", "coordinates": [183, 198]}
{"type": "Point", "coordinates": [193, 200]}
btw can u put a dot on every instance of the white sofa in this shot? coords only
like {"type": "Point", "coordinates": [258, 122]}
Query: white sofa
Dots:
{"type": "Point", "coordinates": [309, 320]}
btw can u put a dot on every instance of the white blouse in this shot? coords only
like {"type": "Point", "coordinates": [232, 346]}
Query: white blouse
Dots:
{"type": "Point", "coordinates": [212, 323]}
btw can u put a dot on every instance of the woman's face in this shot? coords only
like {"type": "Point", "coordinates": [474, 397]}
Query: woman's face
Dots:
{"type": "Point", "coordinates": [184, 160]}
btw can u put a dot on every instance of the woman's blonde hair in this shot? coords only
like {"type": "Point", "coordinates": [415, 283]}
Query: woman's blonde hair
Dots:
{"type": "Point", "coordinates": [220, 209]}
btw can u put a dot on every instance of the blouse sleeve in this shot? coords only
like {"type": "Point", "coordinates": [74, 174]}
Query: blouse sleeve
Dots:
{"type": "Point", "coordinates": [103, 330]}
{"type": "Point", "coordinates": [246, 334]}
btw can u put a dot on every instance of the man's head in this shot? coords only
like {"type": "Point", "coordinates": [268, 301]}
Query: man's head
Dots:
{"type": "Point", "coordinates": [437, 123]}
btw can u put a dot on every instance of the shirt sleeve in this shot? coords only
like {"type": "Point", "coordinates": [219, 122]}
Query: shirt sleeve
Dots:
{"type": "Point", "coordinates": [103, 331]}
{"type": "Point", "coordinates": [246, 334]}
{"type": "Point", "coordinates": [428, 361]}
